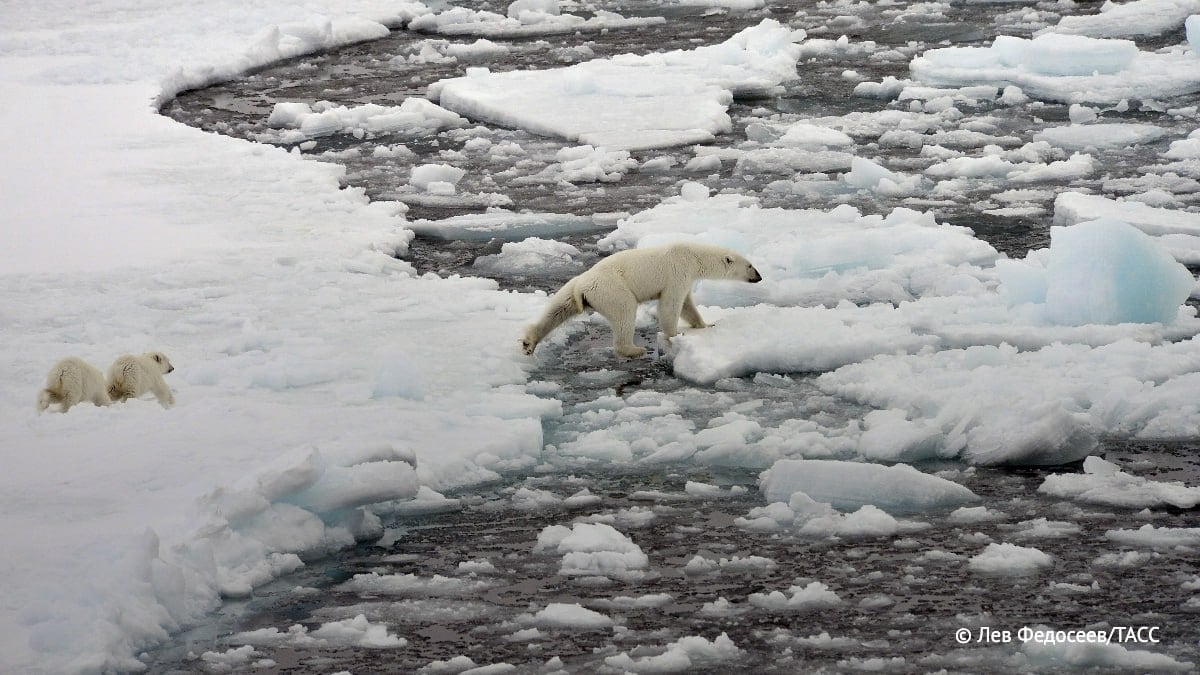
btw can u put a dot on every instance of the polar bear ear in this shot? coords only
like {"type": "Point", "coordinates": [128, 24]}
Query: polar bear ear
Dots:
{"type": "Point", "coordinates": [158, 358]}
{"type": "Point", "coordinates": [728, 260]}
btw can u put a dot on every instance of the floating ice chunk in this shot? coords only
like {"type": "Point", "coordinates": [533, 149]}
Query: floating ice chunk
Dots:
{"type": "Point", "coordinates": [1068, 68]}
{"type": "Point", "coordinates": [850, 485]}
{"type": "Point", "coordinates": [411, 584]}
{"type": "Point", "coordinates": [632, 102]}
{"type": "Point", "coordinates": [594, 549]}
{"type": "Point", "coordinates": [1129, 19]}
{"type": "Point", "coordinates": [1107, 271]}
{"type": "Point", "coordinates": [1104, 483]}
{"type": "Point", "coordinates": [324, 118]}
{"type": "Point", "coordinates": [427, 175]}
{"type": "Point", "coordinates": [532, 256]}
{"type": "Point", "coordinates": [1083, 136]}
{"type": "Point", "coordinates": [1054, 655]}
{"type": "Point", "coordinates": [1193, 33]}
{"type": "Point", "coordinates": [1103, 272]}
{"type": "Point", "coordinates": [519, 7]}
{"type": "Point", "coordinates": [354, 632]}
{"type": "Point", "coordinates": [571, 615]}
{"type": "Point", "coordinates": [686, 654]}
{"type": "Point", "coordinates": [525, 19]}
{"type": "Point", "coordinates": [586, 164]}
{"type": "Point", "coordinates": [1010, 560]}
{"type": "Point", "coordinates": [1071, 208]}
{"type": "Point", "coordinates": [508, 226]}
{"type": "Point", "coordinates": [1162, 538]}
{"type": "Point", "coordinates": [815, 595]}
{"type": "Point", "coordinates": [813, 136]}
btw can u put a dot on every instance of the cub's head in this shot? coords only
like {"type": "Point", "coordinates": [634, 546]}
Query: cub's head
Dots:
{"type": "Point", "coordinates": [740, 269]}
{"type": "Point", "coordinates": [161, 359]}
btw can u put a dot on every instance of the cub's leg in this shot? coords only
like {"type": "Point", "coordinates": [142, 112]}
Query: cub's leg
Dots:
{"type": "Point", "coordinates": [619, 306]}
{"type": "Point", "coordinates": [163, 393]}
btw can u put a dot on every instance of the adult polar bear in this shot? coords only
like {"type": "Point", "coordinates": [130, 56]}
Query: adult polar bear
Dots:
{"type": "Point", "coordinates": [617, 284]}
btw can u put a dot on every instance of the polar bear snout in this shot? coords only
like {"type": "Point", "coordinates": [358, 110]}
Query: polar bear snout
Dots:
{"type": "Point", "coordinates": [754, 276]}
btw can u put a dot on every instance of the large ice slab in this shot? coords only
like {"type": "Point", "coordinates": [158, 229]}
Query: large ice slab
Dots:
{"type": "Point", "coordinates": [1104, 483]}
{"type": "Point", "coordinates": [1066, 68]}
{"type": "Point", "coordinates": [1110, 135]}
{"type": "Point", "coordinates": [1129, 19]}
{"type": "Point", "coordinates": [999, 405]}
{"type": "Point", "coordinates": [631, 102]}
{"type": "Point", "coordinates": [848, 486]}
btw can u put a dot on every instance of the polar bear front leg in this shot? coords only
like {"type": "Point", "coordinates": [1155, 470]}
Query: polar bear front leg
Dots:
{"type": "Point", "coordinates": [163, 393]}
{"type": "Point", "coordinates": [690, 314]}
{"type": "Point", "coordinates": [669, 306]}
{"type": "Point", "coordinates": [619, 306]}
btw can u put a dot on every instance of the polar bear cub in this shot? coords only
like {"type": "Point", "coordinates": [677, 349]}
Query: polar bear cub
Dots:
{"type": "Point", "coordinates": [72, 381]}
{"type": "Point", "coordinates": [617, 284]}
{"type": "Point", "coordinates": [131, 376]}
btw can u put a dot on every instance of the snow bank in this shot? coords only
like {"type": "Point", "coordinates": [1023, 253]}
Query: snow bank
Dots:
{"type": "Point", "coordinates": [850, 485]}
{"type": "Point", "coordinates": [1103, 483]}
{"type": "Point", "coordinates": [1067, 68]}
{"type": "Point", "coordinates": [300, 340]}
{"type": "Point", "coordinates": [631, 102]}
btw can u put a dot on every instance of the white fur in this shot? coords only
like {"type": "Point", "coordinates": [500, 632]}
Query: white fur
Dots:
{"type": "Point", "coordinates": [72, 381]}
{"type": "Point", "coordinates": [617, 284]}
{"type": "Point", "coordinates": [132, 376]}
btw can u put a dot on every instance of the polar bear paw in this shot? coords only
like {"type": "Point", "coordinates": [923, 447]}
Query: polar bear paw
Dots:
{"type": "Point", "coordinates": [632, 352]}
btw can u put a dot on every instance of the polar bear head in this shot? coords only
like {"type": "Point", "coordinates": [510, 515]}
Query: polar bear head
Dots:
{"type": "Point", "coordinates": [160, 358]}
{"type": "Point", "coordinates": [740, 269]}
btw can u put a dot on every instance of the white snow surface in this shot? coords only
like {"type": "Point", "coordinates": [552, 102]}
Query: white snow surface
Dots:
{"type": "Point", "coordinates": [302, 346]}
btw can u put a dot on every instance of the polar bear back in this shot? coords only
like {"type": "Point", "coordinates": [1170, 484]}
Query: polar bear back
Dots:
{"type": "Point", "coordinates": [647, 272]}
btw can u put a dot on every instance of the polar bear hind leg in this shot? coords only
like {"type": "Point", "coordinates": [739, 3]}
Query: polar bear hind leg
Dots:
{"type": "Point", "coordinates": [619, 306]}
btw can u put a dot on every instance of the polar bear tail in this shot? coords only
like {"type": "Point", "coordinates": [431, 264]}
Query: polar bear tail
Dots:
{"type": "Point", "coordinates": [564, 304]}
